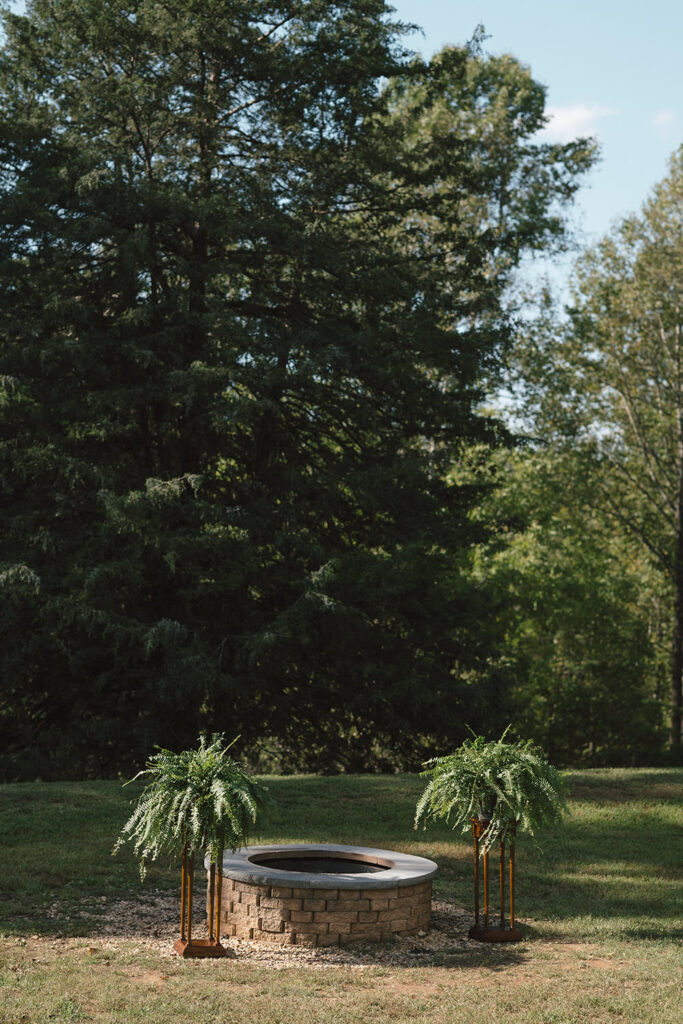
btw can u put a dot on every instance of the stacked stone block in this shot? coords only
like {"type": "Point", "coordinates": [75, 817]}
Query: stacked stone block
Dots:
{"type": "Point", "coordinates": [323, 917]}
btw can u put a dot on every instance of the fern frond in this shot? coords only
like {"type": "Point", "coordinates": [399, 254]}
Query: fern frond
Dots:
{"type": "Point", "coordinates": [511, 781]}
{"type": "Point", "coordinates": [201, 800]}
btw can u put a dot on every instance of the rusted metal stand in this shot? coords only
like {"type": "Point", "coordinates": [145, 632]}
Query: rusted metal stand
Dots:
{"type": "Point", "coordinates": [186, 945]}
{"type": "Point", "coordinates": [481, 929]}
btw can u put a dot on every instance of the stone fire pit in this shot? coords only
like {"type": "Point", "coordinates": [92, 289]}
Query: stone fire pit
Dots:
{"type": "Point", "coordinates": [324, 895]}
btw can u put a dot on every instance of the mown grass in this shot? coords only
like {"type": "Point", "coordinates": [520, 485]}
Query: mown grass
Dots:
{"type": "Point", "coordinates": [600, 907]}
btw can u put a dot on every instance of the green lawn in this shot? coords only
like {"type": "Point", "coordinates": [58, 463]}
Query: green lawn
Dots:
{"type": "Point", "coordinates": [600, 908]}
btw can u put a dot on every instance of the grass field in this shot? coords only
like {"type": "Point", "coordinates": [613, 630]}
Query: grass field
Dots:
{"type": "Point", "coordinates": [600, 909]}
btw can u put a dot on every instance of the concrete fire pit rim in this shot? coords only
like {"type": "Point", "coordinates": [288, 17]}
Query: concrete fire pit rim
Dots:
{"type": "Point", "coordinates": [406, 869]}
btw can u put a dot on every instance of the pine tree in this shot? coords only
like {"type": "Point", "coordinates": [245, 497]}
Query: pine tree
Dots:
{"type": "Point", "coordinates": [233, 379]}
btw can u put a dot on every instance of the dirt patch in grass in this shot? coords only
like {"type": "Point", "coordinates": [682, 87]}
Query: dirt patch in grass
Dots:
{"type": "Point", "coordinates": [154, 978]}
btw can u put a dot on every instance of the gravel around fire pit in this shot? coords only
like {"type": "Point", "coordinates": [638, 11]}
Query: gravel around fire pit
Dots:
{"type": "Point", "coordinates": [151, 922]}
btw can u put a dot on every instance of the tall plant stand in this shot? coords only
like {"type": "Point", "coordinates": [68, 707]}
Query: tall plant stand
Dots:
{"type": "Point", "coordinates": [483, 928]}
{"type": "Point", "coordinates": [186, 945]}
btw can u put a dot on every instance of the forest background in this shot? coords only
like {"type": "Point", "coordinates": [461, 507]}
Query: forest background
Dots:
{"type": "Point", "coordinates": [285, 448]}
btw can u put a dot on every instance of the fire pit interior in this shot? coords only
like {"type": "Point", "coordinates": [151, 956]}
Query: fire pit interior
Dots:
{"type": "Point", "coordinates": [320, 864]}
{"type": "Point", "coordinates": [324, 895]}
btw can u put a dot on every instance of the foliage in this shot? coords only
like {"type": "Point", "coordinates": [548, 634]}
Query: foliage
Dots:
{"type": "Point", "coordinates": [575, 613]}
{"type": "Point", "coordinates": [510, 785]}
{"type": "Point", "coordinates": [253, 259]}
{"type": "Point", "coordinates": [607, 387]}
{"type": "Point", "coordinates": [199, 801]}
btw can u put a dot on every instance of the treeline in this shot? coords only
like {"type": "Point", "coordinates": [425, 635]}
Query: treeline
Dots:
{"type": "Point", "coordinates": [255, 278]}
{"type": "Point", "coordinates": [602, 391]}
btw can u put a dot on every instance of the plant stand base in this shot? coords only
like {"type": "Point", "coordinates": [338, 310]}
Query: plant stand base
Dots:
{"type": "Point", "coordinates": [199, 947]}
{"type": "Point", "coordinates": [495, 934]}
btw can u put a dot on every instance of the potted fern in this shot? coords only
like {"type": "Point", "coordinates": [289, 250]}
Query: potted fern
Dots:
{"type": "Point", "coordinates": [196, 801]}
{"type": "Point", "coordinates": [497, 789]}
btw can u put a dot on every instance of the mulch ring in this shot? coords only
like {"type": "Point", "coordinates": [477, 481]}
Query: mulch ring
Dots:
{"type": "Point", "coordinates": [152, 923]}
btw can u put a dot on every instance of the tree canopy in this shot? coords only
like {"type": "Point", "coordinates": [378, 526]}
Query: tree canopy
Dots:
{"type": "Point", "coordinates": [607, 388]}
{"type": "Point", "coordinates": [252, 266]}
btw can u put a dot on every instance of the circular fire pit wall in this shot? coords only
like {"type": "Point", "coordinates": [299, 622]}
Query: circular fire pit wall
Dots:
{"type": "Point", "coordinates": [324, 895]}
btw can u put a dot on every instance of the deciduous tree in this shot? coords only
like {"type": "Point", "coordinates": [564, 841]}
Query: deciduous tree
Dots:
{"type": "Point", "coordinates": [609, 388]}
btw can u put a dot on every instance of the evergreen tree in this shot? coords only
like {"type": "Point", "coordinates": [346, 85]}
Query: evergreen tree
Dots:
{"type": "Point", "coordinates": [236, 365]}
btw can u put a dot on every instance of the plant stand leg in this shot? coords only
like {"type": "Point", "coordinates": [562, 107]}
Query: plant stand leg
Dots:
{"type": "Point", "coordinates": [475, 835]}
{"type": "Point", "coordinates": [511, 873]}
{"type": "Point", "coordinates": [501, 872]}
{"type": "Point", "coordinates": [219, 893]}
{"type": "Point", "coordinates": [486, 889]}
{"type": "Point", "coordinates": [190, 888]}
{"type": "Point", "coordinates": [212, 897]}
{"type": "Point", "coordinates": [183, 898]}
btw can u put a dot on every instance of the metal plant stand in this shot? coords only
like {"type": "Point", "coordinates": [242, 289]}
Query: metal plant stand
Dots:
{"type": "Point", "coordinates": [186, 945]}
{"type": "Point", "coordinates": [482, 929]}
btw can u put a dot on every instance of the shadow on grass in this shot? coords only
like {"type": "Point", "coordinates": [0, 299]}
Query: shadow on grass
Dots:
{"type": "Point", "coordinates": [490, 958]}
{"type": "Point", "coordinates": [622, 785]}
{"type": "Point", "coordinates": [638, 899]}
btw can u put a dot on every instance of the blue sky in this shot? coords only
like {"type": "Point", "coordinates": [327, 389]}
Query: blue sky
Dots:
{"type": "Point", "coordinates": [612, 69]}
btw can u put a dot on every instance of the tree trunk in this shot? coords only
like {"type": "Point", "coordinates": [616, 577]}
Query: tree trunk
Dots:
{"type": "Point", "coordinates": [677, 653]}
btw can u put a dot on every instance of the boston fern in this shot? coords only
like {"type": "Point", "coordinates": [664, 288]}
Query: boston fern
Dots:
{"type": "Point", "coordinates": [199, 800]}
{"type": "Point", "coordinates": [509, 783]}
